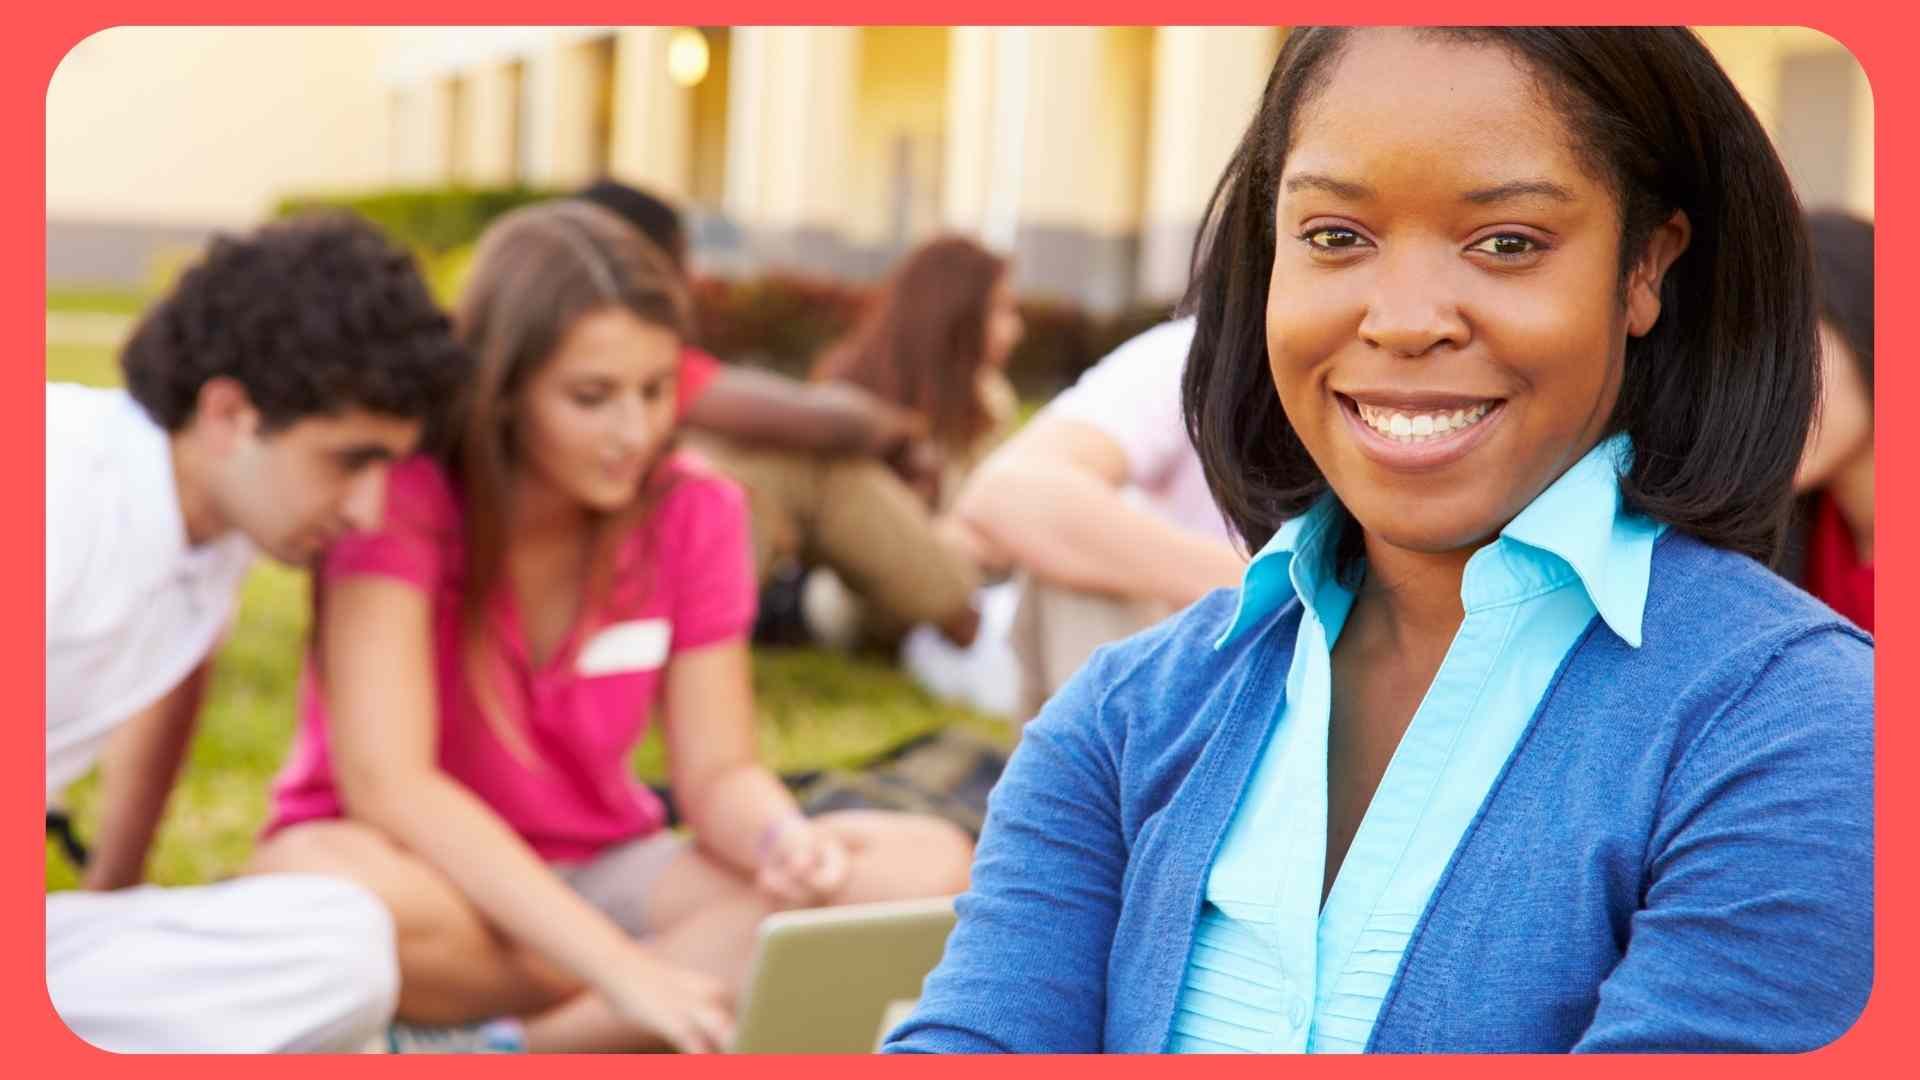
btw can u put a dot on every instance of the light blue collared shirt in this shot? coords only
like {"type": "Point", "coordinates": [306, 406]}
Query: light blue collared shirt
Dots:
{"type": "Point", "coordinates": [1271, 970]}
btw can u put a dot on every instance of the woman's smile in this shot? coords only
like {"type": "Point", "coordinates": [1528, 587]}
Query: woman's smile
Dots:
{"type": "Point", "coordinates": [1418, 431]}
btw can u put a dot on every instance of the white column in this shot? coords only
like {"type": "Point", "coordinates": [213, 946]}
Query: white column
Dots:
{"type": "Point", "coordinates": [651, 115]}
{"type": "Point", "coordinates": [968, 176]}
{"type": "Point", "coordinates": [420, 139]}
{"type": "Point", "coordinates": [746, 119]}
{"type": "Point", "coordinates": [1206, 86]}
{"type": "Point", "coordinates": [488, 150]}
{"type": "Point", "coordinates": [790, 117]}
{"type": "Point", "coordinates": [1081, 144]}
{"type": "Point", "coordinates": [561, 79]}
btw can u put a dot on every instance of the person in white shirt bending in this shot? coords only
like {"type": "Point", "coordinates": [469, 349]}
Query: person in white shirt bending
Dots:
{"type": "Point", "coordinates": [1100, 506]}
{"type": "Point", "coordinates": [266, 396]}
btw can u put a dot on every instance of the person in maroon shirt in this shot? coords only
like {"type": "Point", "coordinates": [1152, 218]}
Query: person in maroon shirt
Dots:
{"type": "Point", "coordinates": [1831, 551]}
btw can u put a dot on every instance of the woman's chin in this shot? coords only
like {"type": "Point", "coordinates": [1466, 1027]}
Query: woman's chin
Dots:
{"type": "Point", "coordinates": [1435, 534]}
{"type": "Point", "coordinates": [606, 498]}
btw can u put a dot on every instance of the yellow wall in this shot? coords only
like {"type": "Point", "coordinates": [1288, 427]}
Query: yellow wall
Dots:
{"type": "Point", "coordinates": [707, 130]}
{"type": "Point", "coordinates": [650, 115]}
{"type": "Point", "coordinates": [209, 126]}
{"type": "Point", "coordinates": [900, 94]}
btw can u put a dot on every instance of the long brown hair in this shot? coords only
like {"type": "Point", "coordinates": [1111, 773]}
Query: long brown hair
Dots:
{"type": "Point", "coordinates": [922, 343]}
{"type": "Point", "coordinates": [537, 272]}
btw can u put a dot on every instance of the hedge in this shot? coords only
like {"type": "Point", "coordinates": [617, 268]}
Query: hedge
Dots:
{"type": "Point", "coordinates": [779, 320]}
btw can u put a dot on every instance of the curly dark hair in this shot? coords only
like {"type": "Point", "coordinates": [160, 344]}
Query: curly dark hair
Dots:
{"type": "Point", "coordinates": [313, 316]}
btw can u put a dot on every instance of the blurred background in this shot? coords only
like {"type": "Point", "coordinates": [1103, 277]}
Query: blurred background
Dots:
{"type": "Point", "coordinates": [811, 154]}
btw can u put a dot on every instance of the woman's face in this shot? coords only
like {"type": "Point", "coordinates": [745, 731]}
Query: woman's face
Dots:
{"type": "Point", "coordinates": [1005, 327]}
{"type": "Point", "coordinates": [1444, 326]}
{"type": "Point", "coordinates": [1843, 424]}
{"type": "Point", "coordinates": [592, 420]}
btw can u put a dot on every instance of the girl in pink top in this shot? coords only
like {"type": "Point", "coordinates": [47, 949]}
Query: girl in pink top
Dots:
{"type": "Point", "coordinates": [547, 580]}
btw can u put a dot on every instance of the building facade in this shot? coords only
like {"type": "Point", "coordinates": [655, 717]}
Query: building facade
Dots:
{"type": "Point", "coordinates": [1087, 152]}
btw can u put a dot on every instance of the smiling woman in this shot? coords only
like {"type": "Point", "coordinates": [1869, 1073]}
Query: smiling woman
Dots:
{"type": "Point", "coordinates": [1505, 352]}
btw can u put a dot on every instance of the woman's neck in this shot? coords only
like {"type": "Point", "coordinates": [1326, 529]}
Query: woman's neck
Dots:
{"type": "Point", "coordinates": [541, 514]}
{"type": "Point", "coordinates": [1852, 492]}
{"type": "Point", "coordinates": [1413, 597]}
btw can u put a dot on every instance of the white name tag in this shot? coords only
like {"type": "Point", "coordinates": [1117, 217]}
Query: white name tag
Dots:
{"type": "Point", "coordinates": [640, 645]}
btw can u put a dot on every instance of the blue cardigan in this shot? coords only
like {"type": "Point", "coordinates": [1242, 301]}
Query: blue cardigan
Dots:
{"type": "Point", "coordinates": [1678, 855]}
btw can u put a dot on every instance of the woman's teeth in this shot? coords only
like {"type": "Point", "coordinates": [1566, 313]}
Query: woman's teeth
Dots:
{"type": "Point", "coordinates": [1412, 427]}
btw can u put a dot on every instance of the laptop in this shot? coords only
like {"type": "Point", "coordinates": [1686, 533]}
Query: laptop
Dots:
{"type": "Point", "coordinates": [822, 979]}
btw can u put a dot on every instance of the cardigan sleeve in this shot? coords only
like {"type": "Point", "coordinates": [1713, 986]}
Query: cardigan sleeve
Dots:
{"type": "Point", "coordinates": [1756, 932]}
{"type": "Point", "coordinates": [1025, 969]}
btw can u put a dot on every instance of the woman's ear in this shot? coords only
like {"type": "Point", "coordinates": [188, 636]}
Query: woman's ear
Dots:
{"type": "Point", "coordinates": [1669, 239]}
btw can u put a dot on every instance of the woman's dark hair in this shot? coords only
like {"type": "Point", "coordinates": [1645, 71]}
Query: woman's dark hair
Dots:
{"type": "Point", "coordinates": [1717, 398]}
{"type": "Point", "coordinates": [655, 217]}
{"type": "Point", "coordinates": [1843, 281]}
{"type": "Point", "coordinates": [312, 316]}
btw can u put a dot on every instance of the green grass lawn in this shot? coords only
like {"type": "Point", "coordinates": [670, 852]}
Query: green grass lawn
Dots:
{"type": "Point", "coordinates": [91, 300]}
{"type": "Point", "coordinates": [815, 709]}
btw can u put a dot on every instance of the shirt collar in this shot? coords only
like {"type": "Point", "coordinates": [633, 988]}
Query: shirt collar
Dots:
{"type": "Point", "coordinates": [155, 506]}
{"type": "Point", "coordinates": [1577, 524]}
{"type": "Point", "coordinates": [1581, 520]}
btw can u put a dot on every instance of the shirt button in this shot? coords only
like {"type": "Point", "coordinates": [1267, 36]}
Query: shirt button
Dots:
{"type": "Point", "coordinates": [1296, 1011]}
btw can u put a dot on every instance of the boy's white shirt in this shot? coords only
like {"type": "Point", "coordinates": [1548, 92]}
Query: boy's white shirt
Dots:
{"type": "Point", "coordinates": [131, 608]}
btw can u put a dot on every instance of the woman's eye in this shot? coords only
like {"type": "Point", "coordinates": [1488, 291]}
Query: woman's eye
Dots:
{"type": "Point", "coordinates": [589, 401]}
{"type": "Point", "coordinates": [1508, 246]}
{"type": "Point", "coordinates": [1333, 239]}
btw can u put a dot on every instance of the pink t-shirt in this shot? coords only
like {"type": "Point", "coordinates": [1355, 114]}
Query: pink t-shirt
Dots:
{"type": "Point", "coordinates": [684, 579]}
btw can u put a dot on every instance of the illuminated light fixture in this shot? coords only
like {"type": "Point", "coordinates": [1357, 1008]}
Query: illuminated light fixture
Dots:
{"type": "Point", "coordinates": [687, 56]}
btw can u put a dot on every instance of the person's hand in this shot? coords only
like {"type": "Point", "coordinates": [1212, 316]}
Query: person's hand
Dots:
{"type": "Point", "coordinates": [687, 1008]}
{"type": "Point", "coordinates": [875, 427]}
{"type": "Point", "coordinates": [801, 864]}
{"type": "Point", "coordinates": [918, 464]}
{"type": "Point", "coordinates": [971, 544]}
{"type": "Point", "coordinates": [891, 428]}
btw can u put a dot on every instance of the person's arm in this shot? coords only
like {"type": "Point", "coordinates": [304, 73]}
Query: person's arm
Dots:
{"type": "Point", "coordinates": [1051, 501]}
{"type": "Point", "coordinates": [137, 775]}
{"type": "Point", "coordinates": [739, 810]}
{"type": "Point", "coordinates": [1756, 933]}
{"type": "Point", "coordinates": [1025, 970]}
{"type": "Point", "coordinates": [766, 409]}
{"type": "Point", "coordinates": [375, 637]}
{"type": "Point", "coordinates": [741, 814]}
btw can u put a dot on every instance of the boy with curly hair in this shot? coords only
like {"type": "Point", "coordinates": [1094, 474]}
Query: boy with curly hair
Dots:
{"type": "Point", "coordinates": [266, 396]}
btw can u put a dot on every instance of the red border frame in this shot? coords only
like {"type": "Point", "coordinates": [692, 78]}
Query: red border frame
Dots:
{"type": "Point", "coordinates": [42, 37]}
